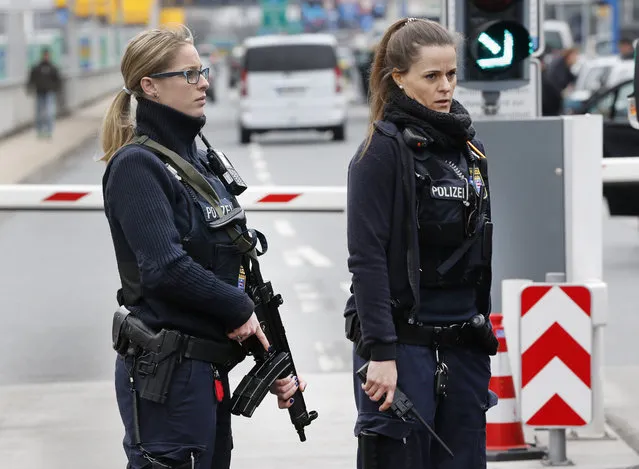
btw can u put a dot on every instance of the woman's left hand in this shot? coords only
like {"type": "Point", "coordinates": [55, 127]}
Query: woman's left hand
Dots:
{"type": "Point", "coordinates": [285, 388]}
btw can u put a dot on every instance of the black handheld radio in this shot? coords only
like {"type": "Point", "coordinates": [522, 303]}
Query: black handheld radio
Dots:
{"type": "Point", "coordinates": [222, 168]}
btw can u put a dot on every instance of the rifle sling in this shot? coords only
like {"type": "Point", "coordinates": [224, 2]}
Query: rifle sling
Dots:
{"type": "Point", "coordinates": [193, 177]}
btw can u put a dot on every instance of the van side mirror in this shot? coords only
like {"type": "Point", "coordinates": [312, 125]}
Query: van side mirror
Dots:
{"type": "Point", "coordinates": [632, 103]}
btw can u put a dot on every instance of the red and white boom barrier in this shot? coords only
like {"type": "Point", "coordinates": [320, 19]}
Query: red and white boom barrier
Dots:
{"type": "Point", "coordinates": [619, 170]}
{"type": "Point", "coordinates": [256, 198]}
{"type": "Point", "coordinates": [89, 197]}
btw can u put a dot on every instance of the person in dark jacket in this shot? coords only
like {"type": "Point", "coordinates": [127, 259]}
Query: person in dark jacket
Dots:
{"type": "Point", "coordinates": [179, 267]}
{"type": "Point", "coordinates": [44, 79]}
{"type": "Point", "coordinates": [419, 240]}
{"type": "Point", "coordinates": [556, 78]}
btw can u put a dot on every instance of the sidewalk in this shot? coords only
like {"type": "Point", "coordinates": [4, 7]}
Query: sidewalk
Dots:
{"type": "Point", "coordinates": [23, 154]}
{"type": "Point", "coordinates": [74, 425]}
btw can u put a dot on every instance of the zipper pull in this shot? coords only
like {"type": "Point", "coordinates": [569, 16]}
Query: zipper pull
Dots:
{"type": "Point", "coordinates": [466, 203]}
{"type": "Point", "coordinates": [217, 385]}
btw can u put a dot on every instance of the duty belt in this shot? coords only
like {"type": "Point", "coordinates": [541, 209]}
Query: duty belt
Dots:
{"type": "Point", "coordinates": [431, 336]}
{"type": "Point", "coordinates": [206, 350]}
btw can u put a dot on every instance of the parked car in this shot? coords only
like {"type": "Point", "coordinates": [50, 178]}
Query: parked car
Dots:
{"type": "Point", "coordinates": [291, 83]}
{"type": "Point", "coordinates": [594, 75]}
{"type": "Point", "coordinates": [620, 139]}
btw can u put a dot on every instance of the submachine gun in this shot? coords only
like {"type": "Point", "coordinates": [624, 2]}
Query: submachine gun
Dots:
{"type": "Point", "coordinates": [269, 365]}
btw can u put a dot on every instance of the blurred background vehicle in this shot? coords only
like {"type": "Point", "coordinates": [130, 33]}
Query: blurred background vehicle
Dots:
{"type": "Point", "coordinates": [291, 83]}
{"type": "Point", "coordinates": [595, 74]}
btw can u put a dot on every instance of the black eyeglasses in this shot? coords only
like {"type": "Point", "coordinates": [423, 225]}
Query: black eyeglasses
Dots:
{"type": "Point", "coordinates": [192, 76]}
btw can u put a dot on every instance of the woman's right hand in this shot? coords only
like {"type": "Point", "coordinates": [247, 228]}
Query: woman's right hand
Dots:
{"type": "Point", "coordinates": [249, 328]}
{"type": "Point", "coordinates": [381, 378]}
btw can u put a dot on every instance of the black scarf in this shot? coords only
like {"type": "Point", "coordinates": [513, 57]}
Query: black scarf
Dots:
{"type": "Point", "coordinates": [449, 130]}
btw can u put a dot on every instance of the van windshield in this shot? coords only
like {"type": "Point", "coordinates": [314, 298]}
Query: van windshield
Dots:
{"type": "Point", "coordinates": [290, 58]}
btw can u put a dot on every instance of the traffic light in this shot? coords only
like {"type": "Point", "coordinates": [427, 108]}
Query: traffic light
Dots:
{"type": "Point", "coordinates": [498, 43]}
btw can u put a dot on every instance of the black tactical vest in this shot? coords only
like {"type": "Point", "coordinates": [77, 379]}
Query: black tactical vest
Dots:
{"type": "Point", "coordinates": [454, 229]}
{"type": "Point", "coordinates": [209, 241]}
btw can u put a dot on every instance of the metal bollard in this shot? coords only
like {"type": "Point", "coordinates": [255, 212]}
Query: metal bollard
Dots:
{"type": "Point", "coordinates": [557, 436]}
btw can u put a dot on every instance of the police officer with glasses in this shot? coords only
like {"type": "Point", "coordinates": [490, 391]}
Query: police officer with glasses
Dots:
{"type": "Point", "coordinates": [179, 237]}
{"type": "Point", "coordinates": [419, 239]}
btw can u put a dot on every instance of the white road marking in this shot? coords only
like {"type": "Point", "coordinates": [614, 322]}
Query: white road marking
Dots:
{"type": "Point", "coordinates": [284, 228]}
{"type": "Point", "coordinates": [293, 259]}
{"type": "Point", "coordinates": [308, 307]}
{"type": "Point", "coordinates": [308, 297]}
{"type": "Point", "coordinates": [255, 151]}
{"type": "Point", "coordinates": [259, 164]}
{"type": "Point", "coordinates": [313, 257]}
{"type": "Point", "coordinates": [327, 362]}
{"type": "Point", "coordinates": [263, 176]}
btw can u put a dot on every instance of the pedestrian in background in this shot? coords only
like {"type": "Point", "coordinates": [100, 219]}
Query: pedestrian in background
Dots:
{"type": "Point", "coordinates": [44, 80]}
{"type": "Point", "coordinates": [557, 79]}
{"type": "Point", "coordinates": [419, 241]}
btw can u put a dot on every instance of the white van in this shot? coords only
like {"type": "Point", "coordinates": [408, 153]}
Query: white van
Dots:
{"type": "Point", "coordinates": [291, 83]}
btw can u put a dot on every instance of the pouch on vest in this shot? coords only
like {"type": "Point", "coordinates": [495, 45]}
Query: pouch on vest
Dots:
{"type": "Point", "coordinates": [442, 210]}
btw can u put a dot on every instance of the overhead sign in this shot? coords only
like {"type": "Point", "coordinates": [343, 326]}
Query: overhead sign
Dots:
{"type": "Point", "coordinates": [556, 347]}
{"type": "Point", "coordinates": [520, 103]}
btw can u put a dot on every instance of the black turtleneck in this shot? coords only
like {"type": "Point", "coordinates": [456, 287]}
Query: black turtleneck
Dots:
{"type": "Point", "coordinates": [167, 126]}
{"type": "Point", "coordinates": [149, 213]}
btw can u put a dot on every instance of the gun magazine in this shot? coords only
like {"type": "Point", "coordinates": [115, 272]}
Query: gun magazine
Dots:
{"type": "Point", "coordinates": [251, 391]}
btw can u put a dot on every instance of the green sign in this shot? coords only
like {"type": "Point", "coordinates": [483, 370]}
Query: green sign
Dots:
{"type": "Point", "coordinates": [274, 15]}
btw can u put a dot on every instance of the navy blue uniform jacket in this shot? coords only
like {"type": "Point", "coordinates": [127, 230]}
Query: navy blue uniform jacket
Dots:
{"type": "Point", "coordinates": [382, 239]}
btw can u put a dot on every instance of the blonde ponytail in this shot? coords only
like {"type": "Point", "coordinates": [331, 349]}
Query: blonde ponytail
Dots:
{"type": "Point", "coordinates": [117, 126]}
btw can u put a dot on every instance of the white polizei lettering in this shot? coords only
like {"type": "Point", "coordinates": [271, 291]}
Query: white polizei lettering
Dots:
{"type": "Point", "coordinates": [448, 192]}
{"type": "Point", "coordinates": [210, 212]}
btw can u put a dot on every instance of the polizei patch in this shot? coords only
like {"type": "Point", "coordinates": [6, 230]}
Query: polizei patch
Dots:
{"type": "Point", "coordinates": [448, 192]}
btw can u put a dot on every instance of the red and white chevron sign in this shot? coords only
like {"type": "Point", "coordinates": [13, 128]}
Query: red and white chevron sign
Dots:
{"type": "Point", "coordinates": [556, 347]}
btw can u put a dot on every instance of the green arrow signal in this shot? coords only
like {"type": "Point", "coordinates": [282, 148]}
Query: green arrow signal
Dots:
{"type": "Point", "coordinates": [508, 51]}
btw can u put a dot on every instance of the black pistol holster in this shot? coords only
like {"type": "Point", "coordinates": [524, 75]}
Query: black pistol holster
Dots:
{"type": "Point", "coordinates": [157, 353]}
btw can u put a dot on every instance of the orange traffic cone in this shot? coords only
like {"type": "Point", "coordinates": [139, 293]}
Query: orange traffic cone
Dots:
{"type": "Point", "coordinates": [504, 429]}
